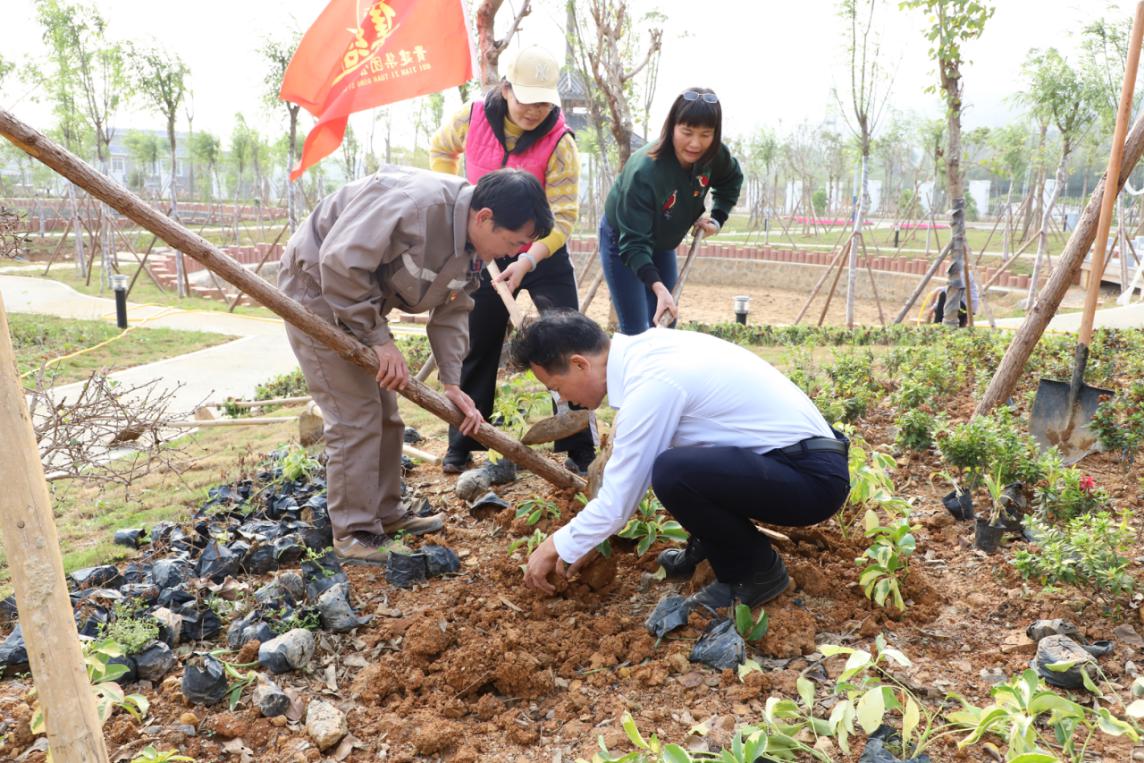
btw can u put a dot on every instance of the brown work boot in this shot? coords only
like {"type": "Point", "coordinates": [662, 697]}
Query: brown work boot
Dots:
{"type": "Point", "coordinates": [411, 524]}
{"type": "Point", "coordinates": [362, 548]}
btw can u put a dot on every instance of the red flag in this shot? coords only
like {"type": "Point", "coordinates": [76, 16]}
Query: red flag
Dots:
{"type": "Point", "coordinates": [350, 61]}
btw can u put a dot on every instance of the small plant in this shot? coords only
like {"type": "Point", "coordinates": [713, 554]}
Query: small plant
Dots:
{"type": "Point", "coordinates": [886, 560]}
{"type": "Point", "coordinates": [1067, 493]}
{"type": "Point", "coordinates": [1023, 709]}
{"type": "Point", "coordinates": [297, 464]}
{"type": "Point", "coordinates": [535, 509]}
{"type": "Point", "coordinates": [1119, 422]}
{"type": "Point", "coordinates": [529, 542]}
{"type": "Point", "coordinates": [996, 489]}
{"type": "Point", "coordinates": [969, 448]}
{"type": "Point", "coordinates": [1091, 550]}
{"type": "Point", "coordinates": [751, 628]}
{"type": "Point", "coordinates": [303, 617]}
{"type": "Point", "coordinates": [649, 524]}
{"type": "Point", "coordinates": [132, 633]}
{"type": "Point", "coordinates": [871, 485]}
{"type": "Point", "coordinates": [150, 754]}
{"type": "Point", "coordinates": [915, 430]}
{"type": "Point", "coordinates": [102, 674]}
{"type": "Point", "coordinates": [237, 679]}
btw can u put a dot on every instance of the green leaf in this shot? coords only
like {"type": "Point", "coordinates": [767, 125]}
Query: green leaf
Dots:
{"type": "Point", "coordinates": [629, 724]}
{"type": "Point", "coordinates": [749, 666]}
{"type": "Point", "coordinates": [673, 753]}
{"type": "Point", "coordinates": [871, 710]}
{"type": "Point", "coordinates": [911, 716]}
{"type": "Point", "coordinates": [1135, 711]}
{"type": "Point", "coordinates": [805, 690]}
{"type": "Point", "coordinates": [1035, 757]}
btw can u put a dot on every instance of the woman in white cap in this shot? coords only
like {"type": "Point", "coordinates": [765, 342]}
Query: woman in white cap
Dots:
{"type": "Point", "coordinates": [519, 124]}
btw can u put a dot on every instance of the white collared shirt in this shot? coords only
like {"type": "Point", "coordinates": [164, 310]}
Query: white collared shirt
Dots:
{"type": "Point", "coordinates": [677, 389]}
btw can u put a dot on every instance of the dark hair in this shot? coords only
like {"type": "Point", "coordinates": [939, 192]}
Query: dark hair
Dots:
{"type": "Point", "coordinates": [548, 341]}
{"type": "Point", "coordinates": [696, 113]}
{"type": "Point", "coordinates": [516, 198]}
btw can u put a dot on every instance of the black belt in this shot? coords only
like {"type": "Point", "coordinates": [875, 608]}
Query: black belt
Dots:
{"type": "Point", "coordinates": [816, 443]}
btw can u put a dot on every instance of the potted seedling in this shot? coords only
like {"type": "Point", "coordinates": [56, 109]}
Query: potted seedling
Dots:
{"type": "Point", "coordinates": [987, 534]}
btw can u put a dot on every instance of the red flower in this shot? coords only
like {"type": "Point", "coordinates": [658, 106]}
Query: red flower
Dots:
{"type": "Point", "coordinates": [1087, 484]}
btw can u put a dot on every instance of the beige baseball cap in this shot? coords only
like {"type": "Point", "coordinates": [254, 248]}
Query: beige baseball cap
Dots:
{"type": "Point", "coordinates": [534, 74]}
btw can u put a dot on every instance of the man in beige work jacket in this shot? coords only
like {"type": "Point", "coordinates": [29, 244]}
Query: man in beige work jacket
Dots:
{"type": "Point", "coordinates": [400, 239]}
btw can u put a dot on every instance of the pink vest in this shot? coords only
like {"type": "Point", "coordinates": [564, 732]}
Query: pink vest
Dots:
{"type": "Point", "coordinates": [483, 152]}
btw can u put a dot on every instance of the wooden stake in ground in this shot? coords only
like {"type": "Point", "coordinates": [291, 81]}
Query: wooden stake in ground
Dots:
{"type": "Point", "coordinates": [1068, 264]}
{"type": "Point", "coordinates": [32, 547]}
{"type": "Point", "coordinates": [67, 164]}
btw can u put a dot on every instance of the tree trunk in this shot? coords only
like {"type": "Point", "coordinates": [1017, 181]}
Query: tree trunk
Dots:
{"type": "Point", "coordinates": [852, 273]}
{"type": "Point", "coordinates": [291, 198]}
{"type": "Point", "coordinates": [951, 78]}
{"type": "Point", "coordinates": [1043, 231]}
{"type": "Point", "coordinates": [488, 53]}
{"type": "Point", "coordinates": [77, 233]}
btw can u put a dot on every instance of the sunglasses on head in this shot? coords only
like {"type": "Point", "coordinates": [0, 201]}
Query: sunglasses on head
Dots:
{"type": "Point", "coordinates": [691, 95]}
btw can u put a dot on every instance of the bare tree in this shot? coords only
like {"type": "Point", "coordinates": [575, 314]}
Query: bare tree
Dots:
{"type": "Point", "coordinates": [11, 235]}
{"type": "Point", "coordinates": [611, 56]}
{"type": "Point", "coordinates": [489, 48]}
{"type": "Point", "coordinates": [109, 433]}
{"type": "Point", "coordinates": [870, 86]}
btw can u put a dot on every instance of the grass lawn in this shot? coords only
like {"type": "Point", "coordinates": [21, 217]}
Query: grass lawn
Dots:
{"type": "Point", "coordinates": [39, 338]}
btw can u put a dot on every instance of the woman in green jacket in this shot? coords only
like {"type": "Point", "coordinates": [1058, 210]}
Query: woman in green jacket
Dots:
{"type": "Point", "coordinates": [660, 195]}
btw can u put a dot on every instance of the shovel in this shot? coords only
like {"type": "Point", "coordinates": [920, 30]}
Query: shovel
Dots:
{"type": "Point", "coordinates": [1062, 411]}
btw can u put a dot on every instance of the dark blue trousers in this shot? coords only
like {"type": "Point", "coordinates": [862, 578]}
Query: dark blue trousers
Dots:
{"type": "Point", "coordinates": [634, 302]}
{"type": "Point", "coordinates": [716, 492]}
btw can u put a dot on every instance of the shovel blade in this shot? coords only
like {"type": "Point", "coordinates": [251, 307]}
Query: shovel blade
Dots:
{"type": "Point", "coordinates": [1053, 422]}
{"type": "Point", "coordinates": [557, 427]}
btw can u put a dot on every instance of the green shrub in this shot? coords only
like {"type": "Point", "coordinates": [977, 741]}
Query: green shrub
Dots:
{"type": "Point", "coordinates": [915, 429]}
{"type": "Point", "coordinates": [1091, 550]}
{"type": "Point", "coordinates": [1067, 493]}
{"type": "Point", "coordinates": [133, 634]}
{"type": "Point", "coordinates": [1119, 422]}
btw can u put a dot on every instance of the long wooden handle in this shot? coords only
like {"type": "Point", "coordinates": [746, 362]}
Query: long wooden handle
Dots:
{"type": "Point", "coordinates": [1123, 111]}
{"type": "Point", "coordinates": [74, 169]}
{"type": "Point", "coordinates": [514, 313]}
{"type": "Point", "coordinates": [665, 320]}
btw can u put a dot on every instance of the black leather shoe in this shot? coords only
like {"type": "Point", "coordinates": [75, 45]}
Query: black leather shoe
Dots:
{"type": "Point", "coordinates": [758, 589]}
{"type": "Point", "coordinates": [579, 460]}
{"type": "Point", "coordinates": [681, 562]}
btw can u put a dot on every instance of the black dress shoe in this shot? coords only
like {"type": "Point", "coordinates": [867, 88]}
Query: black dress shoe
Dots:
{"type": "Point", "coordinates": [755, 590]}
{"type": "Point", "coordinates": [681, 562]}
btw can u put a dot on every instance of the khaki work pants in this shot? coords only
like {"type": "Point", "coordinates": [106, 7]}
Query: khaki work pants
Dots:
{"type": "Point", "coordinates": [364, 431]}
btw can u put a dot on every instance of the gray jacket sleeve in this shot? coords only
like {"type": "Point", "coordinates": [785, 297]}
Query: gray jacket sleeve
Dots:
{"type": "Point", "coordinates": [375, 228]}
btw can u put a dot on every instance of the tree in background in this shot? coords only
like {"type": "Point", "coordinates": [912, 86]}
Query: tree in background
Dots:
{"type": "Point", "coordinates": [349, 149]}
{"type": "Point", "coordinates": [59, 80]}
{"type": "Point", "coordinates": [952, 24]}
{"type": "Point", "coordinates": [144, 149]}
{"type": "Point", "coordinates": [161, 77]}
{"type": "Point", "coordinates": [1008, 160]}
{"type": "Point", "coordinates": [870, 86]}
{"type": "Point", "coordinates": [612, 55]}
{"type": "Point", "coordinates": [278, 54]}
{"type": "Point", "coordinates": [6, 68]}
{"type": "Point", "coordinates": [206, 149]}
{"type": "Point", "coordinates": [1058, 93]}
{"type": "Point", "coordinates": [759, 154]}
{"type": "Point", "coordinates": [240, 156]}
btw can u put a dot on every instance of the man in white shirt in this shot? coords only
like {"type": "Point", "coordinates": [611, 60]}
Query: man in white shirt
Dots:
{"type": "Point", "coordinates": [719, 434]}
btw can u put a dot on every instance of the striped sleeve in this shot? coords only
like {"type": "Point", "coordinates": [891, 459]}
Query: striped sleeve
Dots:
{"type": "Point", "coordinates": [562, 187]}
{"type": "Point", "coordinates": [448, 143]}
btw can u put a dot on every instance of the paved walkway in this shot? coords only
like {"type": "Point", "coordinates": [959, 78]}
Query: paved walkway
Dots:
{"type": "Point", "coordinates": [232, 369]}
{"type": "Point", "coordinates": [1127, 317]}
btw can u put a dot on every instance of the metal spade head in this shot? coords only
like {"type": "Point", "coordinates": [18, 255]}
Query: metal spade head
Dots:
{"type": "Point", "coordinates": [557, 427]}
{"type": "Point", "coordinates": [1055, 421]}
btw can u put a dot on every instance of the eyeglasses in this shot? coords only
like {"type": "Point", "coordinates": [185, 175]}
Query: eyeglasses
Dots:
{"type": "Point", "coordinates": [691, 95]}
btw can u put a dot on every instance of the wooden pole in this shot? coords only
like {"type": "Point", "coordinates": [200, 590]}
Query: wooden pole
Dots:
{"type": "Point", "coordinates": [873, 282]}
{"type": "Point", "coordinates": [65, 163]}
{"type": "Point", "coordinates": [258, 267]}
{"type": "Point", "coordinates": [818, 286]}
{"type": "Point", "coordinates": [32, 547]}
{"type": "Point", "coordinates": [686, 269]}
{"type": "Point", "coordinates": [591, 293]}
{"type": "Point", "coordinates": [1069, 262]}
{"type": "Point", "coordinates": [834, 283]}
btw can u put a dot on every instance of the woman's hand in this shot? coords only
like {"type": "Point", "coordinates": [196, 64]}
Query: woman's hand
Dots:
{"type": "Point", "coordinates": [709, 226]}
{"type": "Point", "coordinates": [512, 275]}
{"type": "Point", "coordinates": [666, 313]}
